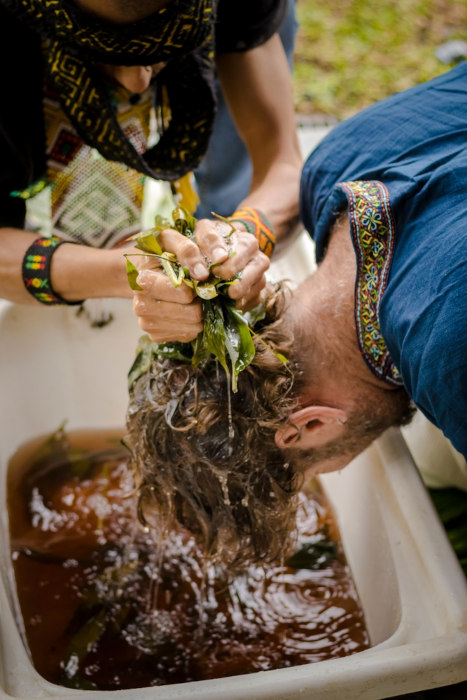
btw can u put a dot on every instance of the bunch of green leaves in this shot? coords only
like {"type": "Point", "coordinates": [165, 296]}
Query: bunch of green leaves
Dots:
{"type": "Point", "coordinates": [226, 334]}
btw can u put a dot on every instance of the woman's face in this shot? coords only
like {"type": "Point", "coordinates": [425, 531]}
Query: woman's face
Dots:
{"type": "Point", "coordinates": [134, 78]}
{"type": "Point", "coordinates": [121, 11]}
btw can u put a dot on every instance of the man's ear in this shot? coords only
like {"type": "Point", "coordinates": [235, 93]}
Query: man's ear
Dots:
{"type": "Point", "coordinates": [312, 426]}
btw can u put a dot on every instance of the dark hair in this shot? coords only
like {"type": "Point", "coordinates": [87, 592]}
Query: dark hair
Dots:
{"type": "Point", "coordinates": [205, 458]}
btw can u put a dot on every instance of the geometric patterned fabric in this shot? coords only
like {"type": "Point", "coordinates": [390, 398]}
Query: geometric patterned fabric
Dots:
{"type": "Point", "coordinates": [373, 239]}
{"type": "Point", "coordinates": [93, 201]}
{"type": "Point", "coordinates": [179, 35]}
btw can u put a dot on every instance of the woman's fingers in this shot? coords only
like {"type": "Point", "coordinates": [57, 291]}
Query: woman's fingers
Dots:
{"type": "Point", "coordinates": [214, 239]}
{"type": "Point", "coordinates": [187, 252]}
{"type": "Point", "coordinates": [166, 313]}
{"type": "Point", "coordinates": [247, 293]}
{"type": "Point", "coordinates": [156, 285]}
{"type": "Point", "coordinates": [238, 254]}
{"type": "Point", "coordinates": [165, 321]}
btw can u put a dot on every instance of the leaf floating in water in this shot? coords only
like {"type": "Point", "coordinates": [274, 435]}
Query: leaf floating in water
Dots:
{"type": "Point", "coordinates": [315, 554]}
{"type": "Point", "coordinates": [83, 641]}
{"type": "Point", "coordinates": [56, 451]}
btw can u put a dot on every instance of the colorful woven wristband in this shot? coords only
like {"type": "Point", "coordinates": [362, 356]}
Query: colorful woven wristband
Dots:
{"type": "Point", "coordinates": [256, 223]}
{"type": "Point", "coordinates": [36, 271]}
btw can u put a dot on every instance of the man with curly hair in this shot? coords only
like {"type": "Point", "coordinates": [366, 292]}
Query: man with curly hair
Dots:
{"type": "Point", "coordinates": [205, 456]}
{"type": "Point", "coordinates": [384, 317]}
{"type": "Point", "coordinates": [379, 328]}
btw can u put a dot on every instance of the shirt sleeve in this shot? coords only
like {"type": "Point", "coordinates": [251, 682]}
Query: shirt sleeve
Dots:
{"type": "Point", "coordinates": [22, 159]}
{"type": "Point", "coordinates": [11, 171]}
{"type": "Point", "coordinates": [245, 24]}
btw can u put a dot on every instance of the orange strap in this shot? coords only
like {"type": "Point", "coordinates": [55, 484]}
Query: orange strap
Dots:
{"type": "Point", "coordinates": [257, 224]}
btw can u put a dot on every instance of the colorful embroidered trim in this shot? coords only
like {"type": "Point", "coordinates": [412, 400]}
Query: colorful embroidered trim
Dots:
{"type": "Point", "coordinates": [256, 223]}
{"type": "Point", "coordinates": [373, 238]}
{"type": "Point", "coordinates": [36, 271]}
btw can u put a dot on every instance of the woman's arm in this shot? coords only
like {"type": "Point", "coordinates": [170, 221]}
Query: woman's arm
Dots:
{"type": "Point", "coordinates": [258, 89]}
{"type": "Point", "coordinates": [76, 271]}
{"type": "Point", "coordinates": [166, 313]}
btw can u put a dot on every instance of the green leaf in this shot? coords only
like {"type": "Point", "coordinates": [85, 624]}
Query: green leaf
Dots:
{"type": "Point", "coordinates": [181, 226]}
{"type": "Point", "coordinates": [176, 351]}
{"type": "Point", "coordinates": [184, 222]}
{"type": "Point", "coordinates": [142, 360]}
{"type": "Point", "coordinates": [214, 332]}
{"type": "Point", "coordinates": [172, 269]}
{"type": "Point", "coordinates": [458, 538]}
{"type": "Point", "coordinates": [238, 342]}
{"type": "Point", "coordinates": [226, 334]}
{"type": "Point", "coordinates": [147, 241]}
{"type": "Point", "coordinates": [254, 315]}
{"type": "Point", "coordinates": [205, 290]}
{"type": "Point", "coordinates": [201, 354]}
{"type": "Point", "coordinates": [314, 554]}
{"type": "Point", "coordinates": [450, 503]}
{"type": "Point", "coordinates": [83, 641]}
{"type": "Point", "coordinates": [161, 223]}
{"type": "Point", "coordinates": [132, 274]}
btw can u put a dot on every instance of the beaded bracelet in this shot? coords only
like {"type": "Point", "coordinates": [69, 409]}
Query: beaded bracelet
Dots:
{"type": "Point", "coordinates": [257, 224]}
{"type": "Point", "coordinates": [36, 271]}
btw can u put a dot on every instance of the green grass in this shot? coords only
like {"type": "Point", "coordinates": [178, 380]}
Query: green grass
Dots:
{"type": "Point", "coordinates": [351, 53]}
{"type": "Point", "coordinates": [451, 505]}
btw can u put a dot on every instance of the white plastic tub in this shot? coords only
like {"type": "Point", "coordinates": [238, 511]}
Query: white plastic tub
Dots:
{"type": "Point", "coordinates": [54, 366]}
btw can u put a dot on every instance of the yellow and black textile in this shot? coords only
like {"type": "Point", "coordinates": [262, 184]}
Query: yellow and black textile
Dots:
{"type": "Point", "coordinates": [181, 35]}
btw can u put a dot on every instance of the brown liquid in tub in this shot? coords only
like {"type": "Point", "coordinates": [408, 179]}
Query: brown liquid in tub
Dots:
{"type": "Point", "coordinates": [104, 607]}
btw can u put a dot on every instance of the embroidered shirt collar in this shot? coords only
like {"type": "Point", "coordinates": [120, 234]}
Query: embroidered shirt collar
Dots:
{"type": "Point", "coordinates": [372, 229]}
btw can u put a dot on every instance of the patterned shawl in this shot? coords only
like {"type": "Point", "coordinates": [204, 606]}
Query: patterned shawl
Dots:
{"type": "Point", "coordinates": [181, 34]}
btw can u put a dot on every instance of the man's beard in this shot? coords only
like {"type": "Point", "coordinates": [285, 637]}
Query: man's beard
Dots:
{"type": "Point", "coordinates": [361, 428]}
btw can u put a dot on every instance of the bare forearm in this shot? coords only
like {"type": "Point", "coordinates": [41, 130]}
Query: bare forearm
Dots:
{"type": "Point", "coordinates": [77, 271]}
{"type": "Point", "coordinates": [277, 198]}
{"type": "Point", "coordinates": [258, 89]}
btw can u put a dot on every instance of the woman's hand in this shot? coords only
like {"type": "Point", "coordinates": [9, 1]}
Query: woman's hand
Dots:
{"type": "Point", "coordinates": [167, 313]}
{"type": "Point", "coordinates": [234, 251]}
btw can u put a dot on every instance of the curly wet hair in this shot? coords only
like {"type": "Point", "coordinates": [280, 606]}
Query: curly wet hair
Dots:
{"type": "Point", "coordinates": [205, 458]}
